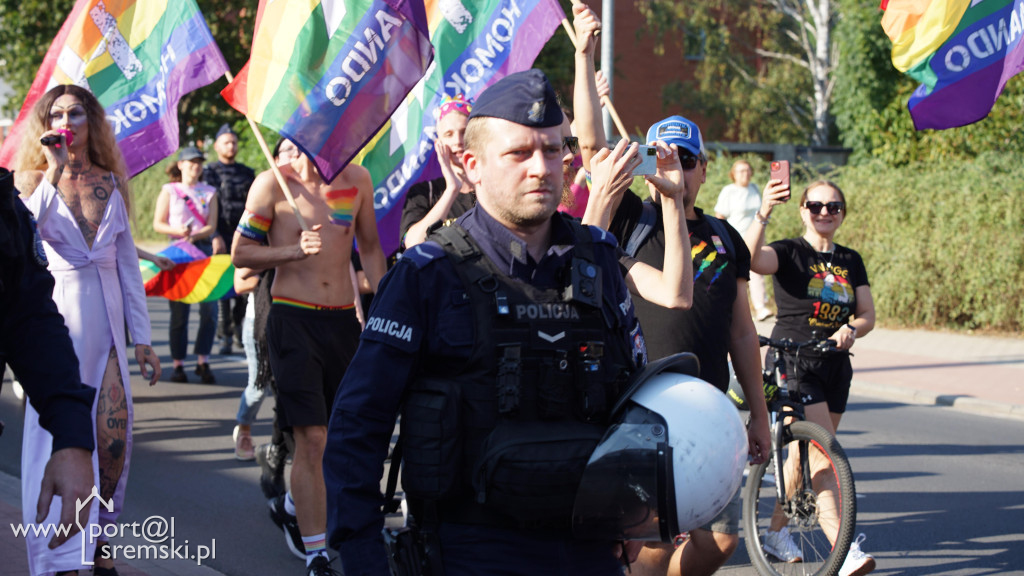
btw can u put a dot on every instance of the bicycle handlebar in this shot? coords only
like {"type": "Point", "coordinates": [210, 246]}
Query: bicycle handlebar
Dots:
{"type": "Point", "coordinates": [788, 345]}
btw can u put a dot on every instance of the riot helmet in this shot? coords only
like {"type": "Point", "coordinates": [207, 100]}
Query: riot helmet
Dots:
{"type": "Point", "coordinates": [669, 463]}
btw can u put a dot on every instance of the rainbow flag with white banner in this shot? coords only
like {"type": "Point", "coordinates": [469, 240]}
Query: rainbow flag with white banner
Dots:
{"type": "Point", "coordinates": [962, 52]}
{"type": "Point", "coordinates": [326, 74]}
{"type": "Point", "coordinates": [475, 45]}
{"type": "Point", "coordinates": [138, 57]}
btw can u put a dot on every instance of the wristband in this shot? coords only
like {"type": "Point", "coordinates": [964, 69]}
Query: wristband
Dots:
{"type": "Point", "coordinates": [852, 328]}
{"type": "Point", "coordinates": [761, 219]}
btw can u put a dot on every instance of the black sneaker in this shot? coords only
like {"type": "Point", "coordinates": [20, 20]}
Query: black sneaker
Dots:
{"type": "Point", "coordinates": [271, 462]}
{"type": "Point", "coordinates": [178, 375]}
{"type": "Point", "coordinates": [289, 524]}
{"type": "Point", "coordinates": [205, 374]}
{"type": "Point", "coordinates": [225, 347]}
{"type": "Point", "coordinates": [321, 566]}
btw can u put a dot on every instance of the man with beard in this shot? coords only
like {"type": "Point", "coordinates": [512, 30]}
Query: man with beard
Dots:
{"type": "Point", "coordinates": [232, 181]}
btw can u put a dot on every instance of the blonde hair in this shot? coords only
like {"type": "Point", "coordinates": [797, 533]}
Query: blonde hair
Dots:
{"type": "Point", "coordinates": [103, 150]}
{"type": "Point", "coordinates": [735, 165]}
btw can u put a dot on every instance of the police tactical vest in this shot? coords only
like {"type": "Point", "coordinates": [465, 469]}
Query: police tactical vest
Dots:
{"type": "Point", "coordinates": [501, 438]}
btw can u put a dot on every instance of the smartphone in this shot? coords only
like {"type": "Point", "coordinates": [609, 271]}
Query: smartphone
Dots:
{"type": "Point", "coordinates": [648, 161]}
{"type": "Point", "coordinates": [780, 171]}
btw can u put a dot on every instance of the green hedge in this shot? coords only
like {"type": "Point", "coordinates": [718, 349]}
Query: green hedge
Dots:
{"type": "Point", "coordinates": [942, 243]}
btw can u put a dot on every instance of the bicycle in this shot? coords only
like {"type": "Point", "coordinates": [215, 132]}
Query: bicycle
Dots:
{"type": "Point", "coordinates": [806, 505]}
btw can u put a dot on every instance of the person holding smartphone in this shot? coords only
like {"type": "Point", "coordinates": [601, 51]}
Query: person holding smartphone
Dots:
{"type": "Point", "coordinates": [822, 291]}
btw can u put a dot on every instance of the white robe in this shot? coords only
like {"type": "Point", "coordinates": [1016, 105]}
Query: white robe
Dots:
{"type": "Point", "coordinates": [97, 290]}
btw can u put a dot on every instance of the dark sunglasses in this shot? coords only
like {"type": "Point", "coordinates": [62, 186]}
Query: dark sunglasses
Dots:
{"type": "Point", "coordinates": [690, 162]}
{"type": "Point", "coordinates": [833, 208]}
{"type": "Point", "coordinates": [572, 143]}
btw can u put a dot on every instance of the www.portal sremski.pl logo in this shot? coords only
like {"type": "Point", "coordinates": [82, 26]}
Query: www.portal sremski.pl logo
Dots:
{"type": "Point", "coordinates": [157, 533]}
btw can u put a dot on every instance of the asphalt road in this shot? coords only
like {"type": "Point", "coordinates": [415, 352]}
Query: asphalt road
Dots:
{"type": "Point", "coordinates": [939, 491]}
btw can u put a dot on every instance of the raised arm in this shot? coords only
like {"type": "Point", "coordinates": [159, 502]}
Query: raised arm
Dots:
{"type": "Point", "coordinates": [586, 103]}
{"type": "Point", "coordinates": [763, 259]}
{"type": "Point", "coordinates": [672, 286]}
{"type": "Point", "coordinates": [417, 232]}
{"type": "Point", "coordinates": [371, 255]}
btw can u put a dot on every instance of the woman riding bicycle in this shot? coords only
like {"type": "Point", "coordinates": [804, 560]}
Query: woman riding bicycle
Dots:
{"type": "Point", "coordinates": [822, 291]}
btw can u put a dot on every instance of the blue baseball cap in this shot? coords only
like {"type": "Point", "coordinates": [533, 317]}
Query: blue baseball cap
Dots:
{"type": "Point", "coordinates": [525, 98]}
{"type": "Point", "coordinates": [679, 131]}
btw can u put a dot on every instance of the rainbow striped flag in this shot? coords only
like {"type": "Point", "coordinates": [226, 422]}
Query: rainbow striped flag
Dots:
{"type": "Point", "coordinates": [475, 44]}
{"type": "Point", "coordinates": [196, 278]}
{"type": "Point", "coordinates": [139, 57]}
{"type": "Point", "coordinates": [326, 74]}
{"type": "Point", "coordinates": [962, 52]}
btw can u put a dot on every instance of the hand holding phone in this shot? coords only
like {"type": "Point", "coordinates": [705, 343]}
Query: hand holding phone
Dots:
{"type": "Point", "coordinates": [780, 171]}
{"type": "Point", "coordinates": [648, 161]}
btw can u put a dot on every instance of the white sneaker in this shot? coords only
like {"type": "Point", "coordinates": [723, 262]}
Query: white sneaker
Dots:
{"type": "Point", "coordinates": [764, 314]}
{"type": "Point", "coordinates": [857, 561]}
{"type": "Point", "coordinates": [780, 544]}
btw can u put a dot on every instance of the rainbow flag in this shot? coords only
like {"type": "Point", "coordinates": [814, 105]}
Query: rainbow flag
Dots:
{"type": "Point", "coordinates": [962, 52]}
{"type": "Point", "coordinates": [326, 74]}
{"type": "Point", "coordinates": [475, 44]}
{"type": "Point", "coordinates": [196, 278]}
{"type": "Point", "coordinates": [139, 57]}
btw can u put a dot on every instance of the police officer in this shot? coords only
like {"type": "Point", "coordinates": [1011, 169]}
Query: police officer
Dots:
{"type": "Point", "coordinates": [35, 342]}
{"type": "Point", "coordinates": [232, 180]}
{"type": "Point", "coordinates": [504, 339]}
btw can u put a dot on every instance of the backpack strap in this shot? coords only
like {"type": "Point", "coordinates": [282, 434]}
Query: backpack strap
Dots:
{"type": "Point", "coordinates": [722, 231]}
{"type": "Point", "coordinates": [643, 228]}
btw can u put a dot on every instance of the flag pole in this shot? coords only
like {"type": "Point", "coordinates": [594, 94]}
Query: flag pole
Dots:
{"type": "Point", "coordinates": [605, 100]}
{"type": "Point", "coordinates": [273, 165]}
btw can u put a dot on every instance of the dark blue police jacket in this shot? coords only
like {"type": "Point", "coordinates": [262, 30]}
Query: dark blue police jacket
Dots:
{"type": "Point", "coordinates": [402, 328]}
{"type": "Point", "coordinates": [33, 338]}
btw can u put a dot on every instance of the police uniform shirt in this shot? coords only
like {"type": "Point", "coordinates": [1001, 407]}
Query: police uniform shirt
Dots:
{"type": "Point", "coordinates": [420, 311]}
{"type": "Point", "coordinates": [232, 182]}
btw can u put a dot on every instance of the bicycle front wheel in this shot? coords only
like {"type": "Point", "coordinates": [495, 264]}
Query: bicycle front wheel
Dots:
{"type": "Point", "coordinates": [820, 517]}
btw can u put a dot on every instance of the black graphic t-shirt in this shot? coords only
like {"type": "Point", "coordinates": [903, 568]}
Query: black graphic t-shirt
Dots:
{"type": "Point", "coordinates": [704, 329]}
{"type": "Point", "coordinates": [815, 292]}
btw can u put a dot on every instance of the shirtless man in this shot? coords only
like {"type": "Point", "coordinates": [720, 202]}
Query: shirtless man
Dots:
{"type": "Point", "coordinates": [312, 328]}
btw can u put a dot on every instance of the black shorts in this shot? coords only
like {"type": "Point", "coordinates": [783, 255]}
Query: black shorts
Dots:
{"type": "Point", "coordinates": [817, 379]}
{"type": "Point", "coordinates": [309, 353]}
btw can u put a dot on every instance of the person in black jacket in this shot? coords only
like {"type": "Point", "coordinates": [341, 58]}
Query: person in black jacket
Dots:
{"type": "Point", "coordinates": [232, 180]}
{"type": "Point", "coordinates": [37, 346]}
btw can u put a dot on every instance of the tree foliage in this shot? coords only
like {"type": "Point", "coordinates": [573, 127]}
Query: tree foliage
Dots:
{"type": "Point", "coordinates": [871, 103]}
{"type": "Point", "coordinates": [767, 67]}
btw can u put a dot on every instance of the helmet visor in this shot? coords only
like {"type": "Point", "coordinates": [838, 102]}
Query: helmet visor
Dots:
{"type": "Point", "coordinates": [625, 486]}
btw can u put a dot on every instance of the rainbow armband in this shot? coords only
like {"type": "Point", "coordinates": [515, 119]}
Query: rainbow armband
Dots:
{"type": "Point", "coordinates": [254, 227]}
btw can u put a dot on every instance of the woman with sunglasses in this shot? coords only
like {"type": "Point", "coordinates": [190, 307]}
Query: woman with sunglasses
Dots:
{"type": "Point", "coordinates": [822, 291]}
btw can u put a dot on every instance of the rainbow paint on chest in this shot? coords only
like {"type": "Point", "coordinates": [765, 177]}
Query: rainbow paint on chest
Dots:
{"type": "Point", "coordinates": [342, 204]}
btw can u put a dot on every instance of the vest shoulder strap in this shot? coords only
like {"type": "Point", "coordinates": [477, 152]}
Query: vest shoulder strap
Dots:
{"type": "Point", "coordinates": [643, 229]}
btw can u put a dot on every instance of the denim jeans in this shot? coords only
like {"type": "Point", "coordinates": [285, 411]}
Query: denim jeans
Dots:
{"type": "Point", "coordinates": [252, 397]}
{"type": "Point", "coordinates": [207, 322]}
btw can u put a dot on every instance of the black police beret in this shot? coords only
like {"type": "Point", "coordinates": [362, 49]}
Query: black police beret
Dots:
{"type": "Point", "coordinates": [525, 98]}
{"type": "Point", "coordinates": [225, 129]}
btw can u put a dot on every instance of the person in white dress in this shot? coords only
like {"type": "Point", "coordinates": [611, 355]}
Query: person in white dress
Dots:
{"type": "Point", "coordinates": [76, 187]}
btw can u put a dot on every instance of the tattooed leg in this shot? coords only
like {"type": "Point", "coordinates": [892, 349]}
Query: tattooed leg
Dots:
{"type": "Point", "coordinates": [111, 433]}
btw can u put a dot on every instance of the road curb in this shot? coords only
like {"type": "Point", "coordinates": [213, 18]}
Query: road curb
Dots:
{"type": "Point", "coordinates": [924, 397]}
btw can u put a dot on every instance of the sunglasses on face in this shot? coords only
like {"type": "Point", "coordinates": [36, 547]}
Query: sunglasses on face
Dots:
{"type": "Point", "coordinates": [833, 208]}
{"type": "Point", "coordinates": [572, 143]}
{"type": "Point", "coordinates": [690, 162]}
